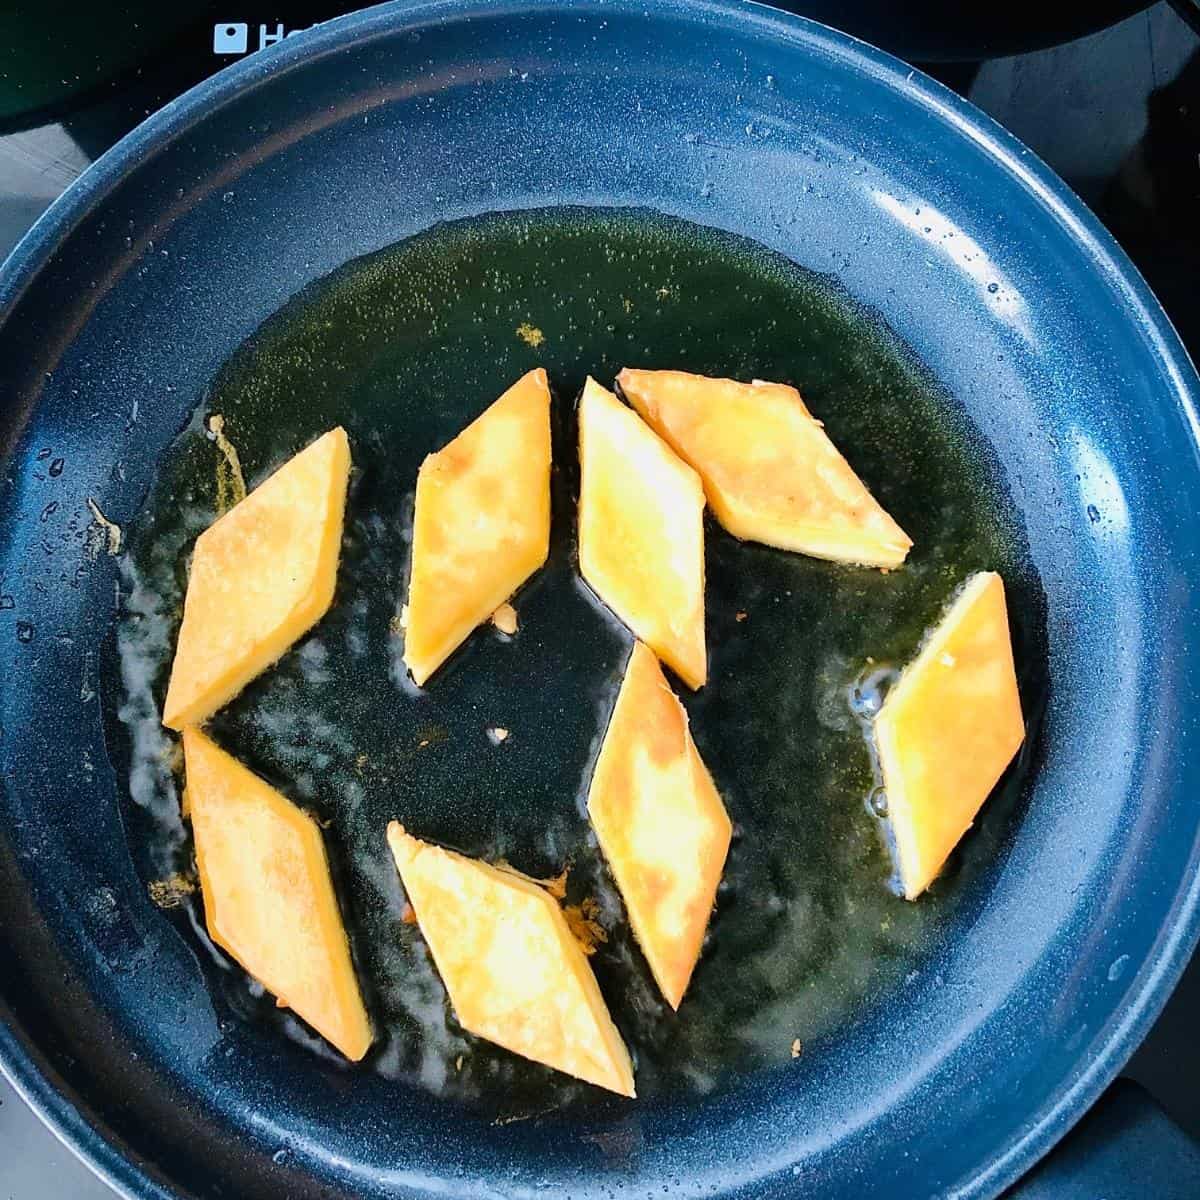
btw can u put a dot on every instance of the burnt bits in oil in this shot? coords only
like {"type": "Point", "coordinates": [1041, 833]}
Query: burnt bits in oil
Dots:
{"type": "Point", "coordinates": [403, 348]}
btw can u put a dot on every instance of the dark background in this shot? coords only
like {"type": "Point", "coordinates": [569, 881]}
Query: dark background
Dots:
{"type": "Point", "coordinates": [1116, 114]}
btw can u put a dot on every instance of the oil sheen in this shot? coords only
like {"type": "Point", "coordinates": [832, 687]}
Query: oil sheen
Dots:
{"type": "Point", "coordinates": [403, 348]}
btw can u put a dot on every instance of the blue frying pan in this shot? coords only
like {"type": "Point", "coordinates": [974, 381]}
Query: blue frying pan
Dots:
{"type": "Point", "coordinates": [127, 310]}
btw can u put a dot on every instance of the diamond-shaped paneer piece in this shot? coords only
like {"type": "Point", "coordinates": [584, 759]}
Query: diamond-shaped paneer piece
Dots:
{"type": "Point", "coordinates": [660, 822]}
{"type": "Point", "coordinates": [482, 523]}
{"type": "Point", "coordinates": [261, 577]}
{"type": "Point", "coordinates": [770, 471]}
{"type": "Point", "coordinates": [514, 973]}
{"type": "Point", "coordinates": [641, 531]}
{"type": "Point", "coordinates": [268, 897]}
{"type": "Point", "coordinates": [948, 729]}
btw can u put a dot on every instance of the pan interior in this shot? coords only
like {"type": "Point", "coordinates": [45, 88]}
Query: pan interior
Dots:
{"type": "Point", "coordinates": [404, 347]}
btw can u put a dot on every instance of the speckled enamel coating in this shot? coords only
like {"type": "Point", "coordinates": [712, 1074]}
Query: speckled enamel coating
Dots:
{"type": "Point", "coordinates": [365, 130]}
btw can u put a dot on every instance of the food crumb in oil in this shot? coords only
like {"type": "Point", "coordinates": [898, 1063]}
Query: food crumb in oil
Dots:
{"type": "Point", "coordinates": [556, 885]}
{"type": "Point", "coordinates": [586, 930]}
{"type": "Point", "coordinates": [797, 1047]}
{"type": "Point", "coordinates": [458, 1063]}
{"type": "Point", "coordinates": [408, 915]}
{"type": "Point", "coordinates": [231, 483]}
{"type": "Point", "coordinates": [399, 623]}
{"type": "Point", "coordinates": [505, 619]}
{"type": "Point", "coordinates": [432, 735]}
{"type": "Point", "coordinates": [497, 734]}
{"type": "Point", "coordinates": [531, 335]}
{"type": "Point", "coordinates": [360, 762]}
{"type": "Point", "coordinates": [107, 535]}
{"type": "Point", "coordinates": [740, 617]}
{"type": "Point", "coordinates": [172, 891]}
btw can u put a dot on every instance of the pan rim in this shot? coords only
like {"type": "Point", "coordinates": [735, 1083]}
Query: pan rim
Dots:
{"type": "Point", "coordinates": [81, 1129]}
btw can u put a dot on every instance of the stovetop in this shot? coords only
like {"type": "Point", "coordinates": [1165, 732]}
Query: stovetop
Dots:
{"type": "Point", "coordinates": [1116, 114]}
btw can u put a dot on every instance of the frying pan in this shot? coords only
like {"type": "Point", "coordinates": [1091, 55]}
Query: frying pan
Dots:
{"type": "Point", "coordinates": [124, 301]}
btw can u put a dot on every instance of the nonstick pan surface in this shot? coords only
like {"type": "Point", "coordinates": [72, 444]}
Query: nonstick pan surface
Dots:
{"type": "Point", "coordinates": [119, 312]}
